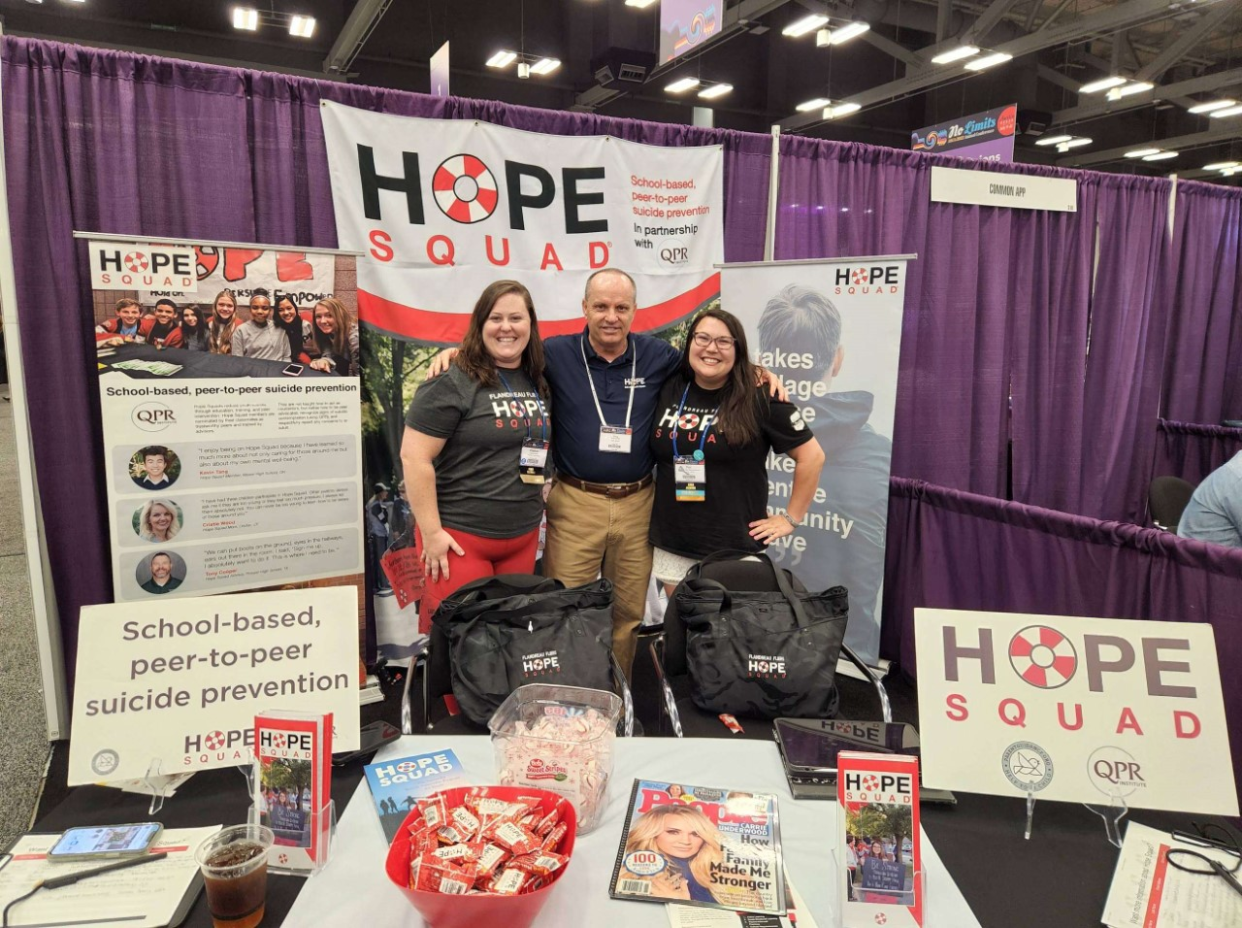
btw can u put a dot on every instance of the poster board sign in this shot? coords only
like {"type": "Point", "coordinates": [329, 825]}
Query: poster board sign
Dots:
{"type": "Point", "coordinates": [832, 331]}
{"type": "Point", "coordinates": [1012, 191]}
{"type": "Point", "coordinates": [181, 686]}
{"type": "Point", "coordinates": [1074, 709]}
{"type": "Point", "coordinates": [987, 136]}
{"type": "Point", "coordinates": [232, 451]}
{"type": "Point", "coordinates": [686, 24]}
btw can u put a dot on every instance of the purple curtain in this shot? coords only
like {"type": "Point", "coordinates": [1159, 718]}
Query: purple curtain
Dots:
{"type": "Point", "coordinates": [1203, 367]}
{"type": "Point", "coordinates": [112, 142]}
{"type": "Point", "coordinates": [955, 550]}
{"type": "Point", "coordinates": [1192, 451]}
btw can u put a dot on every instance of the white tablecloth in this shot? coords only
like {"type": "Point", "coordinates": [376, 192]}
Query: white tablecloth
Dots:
{"type": "Point", "coordinates": [354, 890]}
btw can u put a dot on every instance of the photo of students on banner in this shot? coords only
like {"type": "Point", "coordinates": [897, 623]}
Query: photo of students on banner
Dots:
{"type": "Point", "coordinates": [285, 801]}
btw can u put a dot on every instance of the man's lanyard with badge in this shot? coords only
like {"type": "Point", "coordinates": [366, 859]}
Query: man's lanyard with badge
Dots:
{"type": "Point", "coordinates": [614, 439]}
{"type": "Point", "coordinates": [689, 470]}
{"type": "Point", "coordinates": [534, 457]}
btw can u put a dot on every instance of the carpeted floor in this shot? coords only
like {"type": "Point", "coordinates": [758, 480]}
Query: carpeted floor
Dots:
{"type": "Point", "coordinates": [23, 726]}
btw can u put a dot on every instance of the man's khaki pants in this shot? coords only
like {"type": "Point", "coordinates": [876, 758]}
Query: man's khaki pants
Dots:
{"type": "Point", "coordinates": [591, 535]}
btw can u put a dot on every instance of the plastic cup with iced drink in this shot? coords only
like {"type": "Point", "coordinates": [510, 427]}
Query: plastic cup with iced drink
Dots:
{"type": "Point", "coordinates": [234, 865]}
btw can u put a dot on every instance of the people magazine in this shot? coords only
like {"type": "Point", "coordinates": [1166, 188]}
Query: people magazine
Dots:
{"type": "Point", "coordinates": [701, 846]}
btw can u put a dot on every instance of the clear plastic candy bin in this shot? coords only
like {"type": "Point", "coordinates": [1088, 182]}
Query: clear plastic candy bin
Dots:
{"type": "Point", "coordinates": [558, 738]}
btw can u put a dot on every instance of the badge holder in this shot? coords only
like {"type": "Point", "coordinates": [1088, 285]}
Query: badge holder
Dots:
{"type": "Point", "coordinates": [837, 918]}
{"type": "Point", "coordinates": [324, 819]}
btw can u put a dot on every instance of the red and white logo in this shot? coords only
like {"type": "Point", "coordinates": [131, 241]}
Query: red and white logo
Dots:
{"type": "Point", "coordinates": [136, 261]}
{"type": "Point", "coordinates": [1043, 657]}
{"type": "Point", "coordinates": [465, 189]}
{"type": "Point", "coordinates": [871, 783]}
{"type": "Point", "coordinates": [214, 740]}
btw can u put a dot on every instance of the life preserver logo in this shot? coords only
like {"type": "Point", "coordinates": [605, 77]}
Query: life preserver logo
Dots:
{"type": "Point", "coordinates": [1027, 766]}
{"type": "Point", "coordinates": [105, 762]}
{"type": "Point", "coordinates": [465, 189]}
{"type": "Point", "coordinates": [1043, 657]}
{"type": "Point", "coordinates": [136, 262]}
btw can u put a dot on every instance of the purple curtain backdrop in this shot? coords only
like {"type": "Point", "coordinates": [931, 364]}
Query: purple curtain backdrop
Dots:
{"type": "Point", "coordinates": [1192, 451]}
{"type": "Point", "coordinates": [954, 550]}
{"type": "Point", "coordinates": [1203, 367]}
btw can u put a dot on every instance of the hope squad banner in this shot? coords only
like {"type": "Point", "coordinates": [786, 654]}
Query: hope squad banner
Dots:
{"type": "Point", "coordinates": [441, 208]}
{"type": "Point", "coordinates": [832, 331]}
{"type": "Point", "coordinates": [1074, 709]}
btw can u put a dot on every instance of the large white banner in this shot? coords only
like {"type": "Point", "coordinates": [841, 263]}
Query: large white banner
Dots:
{"type": "Point", "coordinates": [443, 207]}
{"type": "Point", "coordinates": [166, 689]}
{"type": "Point", "coordinates": [1074, 709]}
{"type": "Point", "coordinates": [832, 331]}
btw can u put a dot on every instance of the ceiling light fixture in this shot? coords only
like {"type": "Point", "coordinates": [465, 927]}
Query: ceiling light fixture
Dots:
{"type": "Point", "coordinates": [841, 109]}
{"type": "Point", "coordinates": [681, 85]}
{"type": "Point", "coordinates": [302, 26]}
{"type": "Point", "coordinates": [803, 26]}
{"type": "Point", "coordinates": [1130, 89]}
{"type": "Point", "coordinates": [851, 30]}
{"type": "Point", "coordinates": [1231, 111]}
{"type": "Point", "coordinates": [988, 61]}
{"type": "Point", "coordinates": [245, 18]}
{"type": "Point", "coordinates": [639, 4]}
{"type": "Point", "coordinates": [715, 90]}
{"type": "Point", "coordinates": [545, 66]}
{"type": "Point", "coordinates": [817, 104]}
{"type": "Point", "coordinates": [956, 54]}
{"type": "Point", "coordinates": [1073, 143]}
{"type": "Point", "coordinates": [1160, 156]}
{"type": "Point", "coordinates": [1104, 83]}
{"type": "Point", "coordinates": [1212, 106]}
{"type": "Point", "coordinates": [1053, 139]}
{"type": "Point", "coordinates": [1142, 152]}
{"type": "Point", "coordinates": [1220, 166]}
{"type": "Point", "coordinates": [502, 59]}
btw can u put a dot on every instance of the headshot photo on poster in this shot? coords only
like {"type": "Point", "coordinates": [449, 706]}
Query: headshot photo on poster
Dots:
{"type": "Point", "coordinates": [161, 572]}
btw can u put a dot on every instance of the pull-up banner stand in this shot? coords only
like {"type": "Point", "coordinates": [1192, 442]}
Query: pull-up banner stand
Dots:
{"type": "Point", "coordinates": [832, 330]}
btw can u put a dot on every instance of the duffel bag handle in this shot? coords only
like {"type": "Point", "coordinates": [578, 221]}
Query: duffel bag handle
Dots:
{"type": "Point", "coordinates": [782, 580]}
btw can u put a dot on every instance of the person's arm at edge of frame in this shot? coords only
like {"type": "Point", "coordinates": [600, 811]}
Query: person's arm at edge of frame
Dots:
{"type": "Point", "coordinates": [808, 462]}
{"type": "Point", "coordinates": [440, 363]}
{"type": "Point", "coordinates": [418, 451]}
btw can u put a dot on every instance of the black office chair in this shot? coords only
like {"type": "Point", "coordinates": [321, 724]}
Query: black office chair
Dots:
{"type": "Point", "coordinates": [1167, 498]}
{"type": "Point", "coordinates": [668, 654]}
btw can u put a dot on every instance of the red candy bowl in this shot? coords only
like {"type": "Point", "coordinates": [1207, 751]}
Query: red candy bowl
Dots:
{"type": "Point", "coordinates": [446, 910]}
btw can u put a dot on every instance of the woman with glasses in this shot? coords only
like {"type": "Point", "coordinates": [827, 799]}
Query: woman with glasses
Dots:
{"type": "Point", "coordinates": [714, 430]}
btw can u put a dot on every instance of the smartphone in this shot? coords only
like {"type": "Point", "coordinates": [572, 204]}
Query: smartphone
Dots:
{"type": "Point", "coordinates": [292, 370]}
{"type": "Point", "coordinates": [105, 842]}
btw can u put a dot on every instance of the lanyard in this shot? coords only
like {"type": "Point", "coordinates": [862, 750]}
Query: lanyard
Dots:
{"type": "Point", "coordinates": [698, 455]}
{"type": "Point", "coordinates": [543, 417]}
{"type": "Point", "coordinates": [591, 380]}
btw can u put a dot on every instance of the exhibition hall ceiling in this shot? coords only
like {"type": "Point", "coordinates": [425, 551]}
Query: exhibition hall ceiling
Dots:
{"type": "Point", "coordinates": [1165, 59]}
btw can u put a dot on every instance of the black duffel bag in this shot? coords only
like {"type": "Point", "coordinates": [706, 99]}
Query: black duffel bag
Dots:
{"type": "Point", "coordinates": [761, 653]}
{"type": "Point", "coordinates": [513, 629]}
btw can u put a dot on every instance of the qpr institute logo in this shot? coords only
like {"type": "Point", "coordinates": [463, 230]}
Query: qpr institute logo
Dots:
{"type": "Point", "coordinates": [465, 189]}
{"type": "Point", "coordinates": [105, 762]}
{"type": "Point", "coordinates": [1027, 766]}
{"type": "Point", "coordinates": [152, 417]}
{"type": "Point", "coordinates": [1115, 772]}
{"type": "Point", "coordinates": [1043, 657]}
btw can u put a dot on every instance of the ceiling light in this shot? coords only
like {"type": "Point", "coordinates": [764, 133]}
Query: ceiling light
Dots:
{"type": "Point", "coordinates": [841, 109]}
{"type": "Point", "coordinates": [1160, 156]}
{"type": "Point", "coordinates": [1212, 105]}
{"type": "Point", "coordinates": [817, 104]}
{"type": "Point", "coordinates": [1229, 172]}
{"type": "Point", "coordinates": [302, 26]}
{"type": "Point", "coordinates": [246, 18]}
{"type": "Point", "coordinates": [523, 70]}
{"type": "Point", "coordinates": [639, 4]}
{"type": "Point", "coordinates": [502, 59]}
{"type": "Point", "coordinates": [545, 66]}
{"type": "Point", "coordinates": [956, 54]}
{"type": "Point", "coordinates": [681, 85]}
{"type": "Point", "coordinates": [988, 61]}
{"type": "Point", "coordinates": [1220, 166]}
{"type": "Point", "coordinates": [843, 34]}
{"type": "Point", "coordinates": [1073, 143]}
{"type": "Point", "coordinates": [1130, 89]}
{"type": "Point", "coordinates": [714, 91]}
{"type": "Point", "coordinates": [1231, 111]}
{"type": "Point", "coordinates": [1142, 152]}
{"type": "Point", "coordinates": [804, 25]}
{"type": "Point", "coordinates": [1104, 83]}
{"type": "Point", "coordinates": [1053, 139]}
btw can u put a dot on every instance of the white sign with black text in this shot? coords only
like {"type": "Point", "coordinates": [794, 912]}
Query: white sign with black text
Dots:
{"type": "Point", "coordinates": [1074, 709]}
{"type": "Point", "coordinates": [1015, 191]}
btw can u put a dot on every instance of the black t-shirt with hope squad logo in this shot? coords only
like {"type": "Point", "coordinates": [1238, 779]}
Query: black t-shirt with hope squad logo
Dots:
{"type": "Point", "coordinates": [737, 480]}
{"type": "Point", "coordinates": [478, 486]}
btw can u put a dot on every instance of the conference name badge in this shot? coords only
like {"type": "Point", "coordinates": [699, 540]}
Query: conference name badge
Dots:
{"type": "Point", "coordinates": [533, 460]}
{"type": "Point", "coordinates": [690, 479]}
{"type": "Point", "coordinates": [615, 439]}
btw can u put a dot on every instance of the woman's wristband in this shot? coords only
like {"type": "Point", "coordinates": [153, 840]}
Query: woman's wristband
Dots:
{"type": "Point", "coordinates": [788, 518]}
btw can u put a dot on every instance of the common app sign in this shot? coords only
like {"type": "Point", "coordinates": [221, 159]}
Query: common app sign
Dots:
{"type": "Point", "coordinates": [1074, 709]}
{"type": "Point", "coordinates": [441, 207]}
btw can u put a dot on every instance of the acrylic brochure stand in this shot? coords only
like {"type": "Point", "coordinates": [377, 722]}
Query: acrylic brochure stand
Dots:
{"type": "Point", "coordinates": [1112, 814]}
{"type": "Point", "coordinates": [837, 917]}
{"type": "Point", "coordinates": [324, 819]}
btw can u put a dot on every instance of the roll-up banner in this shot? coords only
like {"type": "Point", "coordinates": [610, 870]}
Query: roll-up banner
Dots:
{"type": "Point", "coordinates": [832, 331]}
{"type": "Point", "coordinates": [231, 434]}
{"type": "Point", "coordinates": [442, 208]}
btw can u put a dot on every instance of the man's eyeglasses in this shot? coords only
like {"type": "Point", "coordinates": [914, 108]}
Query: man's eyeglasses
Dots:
{"type": "Point", "coordinates": [722, 342]}
{"type": "Point", "coordinates": [1209, 837]}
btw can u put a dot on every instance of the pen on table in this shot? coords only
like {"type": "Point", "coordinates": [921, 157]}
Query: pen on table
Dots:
{"type": "Point", "coordinates": [1229, 878]}
{"type": "Point", "coordinates": [70, 878]}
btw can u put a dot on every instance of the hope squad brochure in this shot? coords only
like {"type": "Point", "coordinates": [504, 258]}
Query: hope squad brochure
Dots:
{"type": "Point", "coordinates": [395, 784]}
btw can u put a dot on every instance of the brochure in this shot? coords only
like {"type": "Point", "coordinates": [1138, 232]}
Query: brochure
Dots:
{"type": "Point", "coordinates": [701, 846]}
{"type": "Point", "coordinates": [796, 916]}
{"type": "Point", "coordinates": [879, 840]}
{"type": "Point", "coordinates": [293, 753]}
{"type": "Point", "coordinates": [395, 784]}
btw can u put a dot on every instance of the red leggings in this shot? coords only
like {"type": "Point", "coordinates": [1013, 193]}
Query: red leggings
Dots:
{"type": "Point", "coordinates": [484, 557]}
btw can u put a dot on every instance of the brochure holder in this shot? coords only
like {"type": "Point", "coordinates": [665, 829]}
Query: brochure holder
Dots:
{"type": "Point", "coordinates": [324, 819]}
{"type": "Point", "coordinates": [157, 783]}
{"type": "Point", "coordinates": [836, 914]}
{"type": "Point", "coordinates": [1112, 814]}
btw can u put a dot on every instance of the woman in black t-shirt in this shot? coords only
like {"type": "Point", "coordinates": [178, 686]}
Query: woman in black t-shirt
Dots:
{"type": "Point", "coordinates": [713, 431]}
{"type": "Point", "coordinates": [475, 446]}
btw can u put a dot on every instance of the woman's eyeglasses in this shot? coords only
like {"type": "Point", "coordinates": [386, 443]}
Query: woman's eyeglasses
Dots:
{"type": "Point", "coordinates": [722, 342]}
